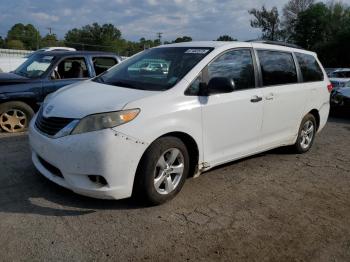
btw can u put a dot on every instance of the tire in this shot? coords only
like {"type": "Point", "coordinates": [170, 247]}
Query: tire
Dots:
{"type": "Point", "coordinates": [152, 169]}
{"type": "Point", "coordinates": [15, 116]}
{"type": "Point", "coordinates": [306, 137]}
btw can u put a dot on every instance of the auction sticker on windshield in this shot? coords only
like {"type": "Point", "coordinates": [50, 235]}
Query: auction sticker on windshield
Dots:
{"type": "Point", "coordinates": [197, 51]}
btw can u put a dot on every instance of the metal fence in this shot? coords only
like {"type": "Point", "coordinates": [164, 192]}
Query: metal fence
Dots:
{"type": "Point", "coordinates": [14, 52]}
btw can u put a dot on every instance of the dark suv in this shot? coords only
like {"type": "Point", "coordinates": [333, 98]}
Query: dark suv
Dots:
{"type": "Point", "coordinates": [23, 90]}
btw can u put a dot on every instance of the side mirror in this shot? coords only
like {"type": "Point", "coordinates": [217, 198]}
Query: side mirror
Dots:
{"type": "Point", "coordinates": [220, 85]}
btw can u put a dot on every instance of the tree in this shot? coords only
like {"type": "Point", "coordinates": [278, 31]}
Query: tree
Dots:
{"type": "Point", "coordinates": [311, 27]}
{"type": "Point", "coordinates": [27, 34]}
{"type": "Point", "coordinates": [2, 42]}
{"type": "Point", "coordinates": [95, 36]}
{"type": "Point", "coordinates": [268, 21]}
{"type": "Point", "coordinates": [325, 29]}
{"type": "Point", "coordinates": [50, 40]}
{"type": "Point", "coordinates": [290, 15]}
{"type": "Point", "coordinates": [183, 39]}
{"type": "Point", "coordinates": [15, 44]}
{"type": "Point", "coordinates": [226, 38]}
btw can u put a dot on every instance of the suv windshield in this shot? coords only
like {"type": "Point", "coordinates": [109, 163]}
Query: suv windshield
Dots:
{"type": "Point", "coordinates": [154, 69]}
{"type": "Point", "coordinates": [35, 66]}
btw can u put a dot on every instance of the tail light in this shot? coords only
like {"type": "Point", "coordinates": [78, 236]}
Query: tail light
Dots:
{"type": "Point", "coordinates": [330, 88]}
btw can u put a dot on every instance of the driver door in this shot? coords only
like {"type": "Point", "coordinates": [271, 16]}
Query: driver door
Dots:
{"type": "Point", "coordinates": [232, 121]}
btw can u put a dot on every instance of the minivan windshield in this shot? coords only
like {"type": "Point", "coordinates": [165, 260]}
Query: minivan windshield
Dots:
{"type": "Point", "coordinates": [35, 66]}
{"type": "Point", "coordinates": [154, 69]}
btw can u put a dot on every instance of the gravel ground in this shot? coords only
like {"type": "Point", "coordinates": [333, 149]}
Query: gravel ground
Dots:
{"type": "Point", "coordinates": [275, 206]}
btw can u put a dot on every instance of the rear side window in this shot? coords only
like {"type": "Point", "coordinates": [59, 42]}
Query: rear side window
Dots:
{"type": "Point", "coordinates": [102, 64]}
{"type": "Point", "coordinates": [309, 67]}
{"type": "Point", "coordinates": [237, 65]}
{"type": "Point", "coordinates": [277, 68]}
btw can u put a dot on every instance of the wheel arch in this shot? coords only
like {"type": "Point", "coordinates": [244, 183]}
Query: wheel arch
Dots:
{"type": "Point", "coordinates": [191, 145]}
{"type": "Point", "coordinates": [316, 115]}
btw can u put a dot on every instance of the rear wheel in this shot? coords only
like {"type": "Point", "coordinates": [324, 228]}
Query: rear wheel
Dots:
{"type": "Point", "coordinates": [162, 171]}
{"type": "Point", "coordinates": [306, 135]}
{"type": "Point", "coordinates": [15, 116]}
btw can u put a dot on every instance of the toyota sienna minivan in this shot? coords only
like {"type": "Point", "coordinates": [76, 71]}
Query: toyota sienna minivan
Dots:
{"type": "Point", "coordinates": [132, 131]}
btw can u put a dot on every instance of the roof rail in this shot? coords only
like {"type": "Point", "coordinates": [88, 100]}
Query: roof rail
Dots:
{"type": "Point", "coordinates": [269, 42]}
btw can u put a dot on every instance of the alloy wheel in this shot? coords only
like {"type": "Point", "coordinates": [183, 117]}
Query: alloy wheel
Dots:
{"type": "Point", "coordinates": [307, 134]}
{"type": "Point", "coordinates": [169, 171]}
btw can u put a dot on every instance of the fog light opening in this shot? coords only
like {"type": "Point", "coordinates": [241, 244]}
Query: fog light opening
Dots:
{"type": "Point", "coordinates": [98, 180]}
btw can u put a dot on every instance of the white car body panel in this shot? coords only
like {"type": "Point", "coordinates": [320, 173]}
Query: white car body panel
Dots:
{"type": "Point", "coordinates": [110, 98]}
{"type": "Point", "coordinates": [225, 127]}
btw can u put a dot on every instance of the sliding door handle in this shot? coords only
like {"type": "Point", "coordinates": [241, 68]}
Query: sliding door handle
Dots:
{"type": "Point", "coordinates": [256, 99]}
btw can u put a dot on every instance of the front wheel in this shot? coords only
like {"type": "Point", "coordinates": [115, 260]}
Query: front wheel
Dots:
{"type": "Point", "coordinates": [162, 171]}
{"type": "Point", "coordinates": [306, 135]}
{"type": "Point", "coordinates": [15, 116]}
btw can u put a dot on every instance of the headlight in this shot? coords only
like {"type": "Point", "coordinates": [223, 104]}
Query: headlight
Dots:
{"type": "Point", "coordinates": [104, 120]}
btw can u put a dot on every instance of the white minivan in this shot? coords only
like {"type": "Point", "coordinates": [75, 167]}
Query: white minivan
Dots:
{"type": "Point", "coordinates": [133, 131]}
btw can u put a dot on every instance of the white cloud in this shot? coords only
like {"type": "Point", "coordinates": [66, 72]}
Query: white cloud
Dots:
{"type": "Point", "coordinates": [41, 16]}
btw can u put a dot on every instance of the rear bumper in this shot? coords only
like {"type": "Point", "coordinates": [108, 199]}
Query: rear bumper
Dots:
{"type": "Point", "coordinates": [105, 153]}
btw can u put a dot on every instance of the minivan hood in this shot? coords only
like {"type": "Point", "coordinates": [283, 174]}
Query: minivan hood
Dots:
{"type": "Point", "coordinates": [88, 97]}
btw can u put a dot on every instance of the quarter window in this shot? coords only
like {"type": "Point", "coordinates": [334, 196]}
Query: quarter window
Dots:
{"type": "Point", "coordinates": [237, 65]}
{"type": "Point", "coordinates": [277, 68]}
{"type": "Point", "coordinates": [309, 67]}
{"type": "Point", "coordinates": [102, 64]}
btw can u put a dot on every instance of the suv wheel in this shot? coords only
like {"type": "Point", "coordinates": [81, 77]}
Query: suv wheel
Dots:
{"type": "Point", "coordinates": [306, 135]}
{"type": "Point", "coordinates": [162, 171]}
{"type": "Point", "coordinates": [15, 116]}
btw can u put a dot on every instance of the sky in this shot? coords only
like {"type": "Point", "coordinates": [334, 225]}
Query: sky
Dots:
{"type": "Point", "coordinates": [200, 19]}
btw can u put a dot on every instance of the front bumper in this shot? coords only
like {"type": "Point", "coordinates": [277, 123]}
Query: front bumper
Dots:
{"type": "Point", "coordinates": [106, 153]}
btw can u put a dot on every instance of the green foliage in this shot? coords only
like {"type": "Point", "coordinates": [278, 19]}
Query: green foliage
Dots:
{"type": "Point", "coordinates": [50, 40]}
{"type": "Point", "coordinates": [268, 21]}
{"type": "Point", "coordinates": [27, 34]}
{"type": "Point", "coordinates": [226, 38]}
{"type": "Point", "coordinates": [311, 26]}
{"type": "Point", "coordinates": [95, 36]}
{"type": "Point", "coordinates": [291, 12]}
{"type": "Point", "coordinates": [15, 44]}
{"type": "Point", "coordinates": [325, 29]}
{"type": "Point", "coordinates": [183, 39]}
{"type": "Point", "coordinates": [2, 42]}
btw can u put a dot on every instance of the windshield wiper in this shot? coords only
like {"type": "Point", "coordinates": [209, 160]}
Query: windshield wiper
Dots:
{"type": "Point", "coordinates": [123, 84]}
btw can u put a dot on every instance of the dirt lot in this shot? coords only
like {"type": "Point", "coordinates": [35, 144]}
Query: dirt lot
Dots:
{"type": "Point", "coordinates": [272, 207]}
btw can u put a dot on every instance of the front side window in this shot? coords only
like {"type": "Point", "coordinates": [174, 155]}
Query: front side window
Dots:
{"type": "Point", "coordinates": [35, 66]}
{"type": "Point", "coordinates": [309, 67]}
{"type": "Point", "coordinates": [73, 67]}
{"type": "Point", "coordinates": [277, 68]}
{"type": "Point", "coordinates": [102, 64]}
{"type": "Point", "coordinates": [154, 69]}
{"type": "Point", "coordinates": [236, 65]}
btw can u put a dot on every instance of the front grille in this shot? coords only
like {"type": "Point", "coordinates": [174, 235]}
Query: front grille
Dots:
{"type": "Point", "coordinates": [52, 169]}
{"type": "Point", "coordinates": [50, 125]}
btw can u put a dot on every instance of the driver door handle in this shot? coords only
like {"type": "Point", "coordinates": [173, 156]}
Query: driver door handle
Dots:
{"type": "Point", "coordinates": [256, 99]}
